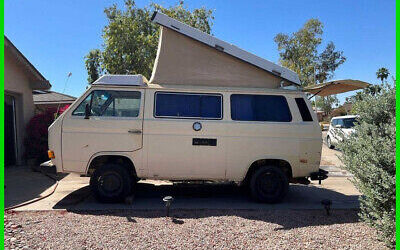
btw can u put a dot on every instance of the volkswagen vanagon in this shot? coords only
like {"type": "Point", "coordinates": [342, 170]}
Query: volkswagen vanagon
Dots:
{"type": "Point", "coordinates": [211, 111]}
{"type": "Point", "coordinates": [128, 130]}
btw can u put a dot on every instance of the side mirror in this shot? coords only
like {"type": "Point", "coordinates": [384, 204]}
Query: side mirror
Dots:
{"type": "Point", "coordinates": [87, 111]}
{"type": "Point", "coordinates": [338, 126]}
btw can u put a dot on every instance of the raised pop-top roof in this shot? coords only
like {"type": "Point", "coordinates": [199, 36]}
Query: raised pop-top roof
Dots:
{"type": "Point", "coordinates": [224, 47]}
{"type": "Point", "coordinates": [128, 80]}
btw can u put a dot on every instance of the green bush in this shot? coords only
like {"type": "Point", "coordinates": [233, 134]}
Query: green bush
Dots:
{"type": "Point", "coordinates": [369, 154]}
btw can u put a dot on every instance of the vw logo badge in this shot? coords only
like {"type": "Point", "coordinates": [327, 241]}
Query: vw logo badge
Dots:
{"type": "Point", "coordinates": [197, 126]}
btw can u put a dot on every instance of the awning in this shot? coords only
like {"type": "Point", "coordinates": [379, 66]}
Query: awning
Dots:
{"type": "Point", "coordinates": [335, 87]}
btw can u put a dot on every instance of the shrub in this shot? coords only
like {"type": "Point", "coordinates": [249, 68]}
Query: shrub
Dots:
{"type": "Point", "coordinates": [36, 144]}
{"type": "Point", "coordinates": [369, 154]}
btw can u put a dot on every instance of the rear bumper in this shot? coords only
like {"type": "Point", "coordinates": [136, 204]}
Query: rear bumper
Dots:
{"type": "Point", "coordinates": [320, 175]}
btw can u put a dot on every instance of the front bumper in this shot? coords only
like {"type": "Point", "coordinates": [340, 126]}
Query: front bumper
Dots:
{"type": "Point", "coordinates": [320, 175]}
{"type": "Point", "coordinates": [47, 164]}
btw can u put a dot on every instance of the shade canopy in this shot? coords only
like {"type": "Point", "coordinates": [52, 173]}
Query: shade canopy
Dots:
{"type": "Point", "coordinates": [335, 87]}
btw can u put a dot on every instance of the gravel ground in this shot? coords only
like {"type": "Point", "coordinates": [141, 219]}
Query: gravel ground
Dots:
{"type": "Point", "coordinates": [199, 229]}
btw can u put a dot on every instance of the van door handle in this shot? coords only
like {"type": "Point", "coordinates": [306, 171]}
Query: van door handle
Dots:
{"type": "Point", "coordinates": [135, 131]}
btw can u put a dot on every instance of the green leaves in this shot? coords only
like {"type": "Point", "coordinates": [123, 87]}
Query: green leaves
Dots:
{"type": "Point", "coordinates": [93, 65]}
{"type": "Point", "coordinates": [299, 52]}
{"type": "Point", "coordinates": [199, 18]}
{"type": "Point", "coordinates": [382, 74]}
{"type": "Point", "coordinates": [369, 154]}
{"type": "Point", "coordinates": [328, 61]}
{"type": "Point", "coordinates": [131, 39]}
{"type": "Point", "coordinates": [326, 103]}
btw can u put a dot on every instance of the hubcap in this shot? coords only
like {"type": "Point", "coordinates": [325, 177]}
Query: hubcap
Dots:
{"type": "Point", "coordinates": [110, 183]}
{"type": "Point", "coordinates": [268, 184]}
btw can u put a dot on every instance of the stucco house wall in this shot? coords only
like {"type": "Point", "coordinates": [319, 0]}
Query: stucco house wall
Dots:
{"type": "Point", "coordinates": [20, 79]}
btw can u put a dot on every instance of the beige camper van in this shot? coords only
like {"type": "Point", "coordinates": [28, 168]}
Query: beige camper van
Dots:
{"type": "Point", "coordinates": [199, 123]}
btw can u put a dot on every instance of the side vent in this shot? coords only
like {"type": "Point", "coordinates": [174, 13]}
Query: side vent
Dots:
{"type": "Point", "coordinates": [173, 26]}
{"type": "Point", "coordinates": [219, 48]}
{"type": "Point", "coordinates": [276, 72]}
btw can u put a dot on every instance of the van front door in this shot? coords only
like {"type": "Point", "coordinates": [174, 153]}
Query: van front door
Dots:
{"type": "Point", "coordinates": [114, 124]}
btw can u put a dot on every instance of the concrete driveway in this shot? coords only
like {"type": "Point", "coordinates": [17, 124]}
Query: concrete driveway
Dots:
{"type": "Point", "coordinates": [73, 193]}
{"type": "Point", "coordinates": [22, 184]}
{"type": "Point", "coordinates": [329, 157]}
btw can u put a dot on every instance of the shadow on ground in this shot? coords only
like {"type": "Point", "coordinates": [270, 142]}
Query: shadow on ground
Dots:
{"type": "Point", "coordinates": [23, 184]}
{"type": "Point", "coordinates": [206, 200]}
{"type": "Point", "coordinates": [287, 219]}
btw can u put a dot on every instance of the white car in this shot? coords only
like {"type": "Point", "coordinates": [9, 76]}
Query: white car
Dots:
{"type": "Point", "coordinates": [339, 128]}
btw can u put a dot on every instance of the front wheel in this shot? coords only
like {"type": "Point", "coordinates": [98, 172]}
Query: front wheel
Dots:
{"type": "Point", "coordinates": [111, 183]}
{"type": "Point", "coordinates": [269, 184]}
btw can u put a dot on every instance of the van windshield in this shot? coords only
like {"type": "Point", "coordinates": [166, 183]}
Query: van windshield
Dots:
{"type": "Point", "coordinates": [349, 122]}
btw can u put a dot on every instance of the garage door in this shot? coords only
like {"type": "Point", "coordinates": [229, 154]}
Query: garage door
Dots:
{"type": "Point", "coordinates": [10, 151]}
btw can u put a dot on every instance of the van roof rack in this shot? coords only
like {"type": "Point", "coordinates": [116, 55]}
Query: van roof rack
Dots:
{"type": "Point", "coordinates": [124, 80]}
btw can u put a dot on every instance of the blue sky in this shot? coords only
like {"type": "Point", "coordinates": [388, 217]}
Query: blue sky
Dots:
{"type": "Point", "coordinates": [56, 35]}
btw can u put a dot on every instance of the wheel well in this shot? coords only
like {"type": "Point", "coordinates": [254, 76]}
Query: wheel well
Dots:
{"type": "Point", "coordinates": [106, 159]}
{"type": "Point", "coordinates": [282, 164]}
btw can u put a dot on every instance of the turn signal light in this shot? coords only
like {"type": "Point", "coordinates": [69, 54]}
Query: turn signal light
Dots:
{"type": "Point", "coordinates": [51, 155]}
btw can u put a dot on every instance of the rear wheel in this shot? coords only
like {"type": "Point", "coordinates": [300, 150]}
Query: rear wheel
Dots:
{"type": "Point", "coordinates": [329, 142]}
{"type": "Point", "coordinates": [269, 184]}
{"type": "Point", "coordinates": [111, 183]}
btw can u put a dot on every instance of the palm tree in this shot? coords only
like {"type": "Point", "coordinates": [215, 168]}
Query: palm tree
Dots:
{"type": "Point", "coordinates": [382, 74]}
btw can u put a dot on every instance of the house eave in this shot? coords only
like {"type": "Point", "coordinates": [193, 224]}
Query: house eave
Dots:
{"type": "Point", "coordinates": [38, 80]}
{"type": "Point", "coordinates": [40, 85]}
{"type": "Point", "coordinates": [52, 102]}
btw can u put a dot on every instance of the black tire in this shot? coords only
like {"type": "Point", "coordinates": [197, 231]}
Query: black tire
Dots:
{"type": "Point", "coordinates": [269, 184]}
{"type": "Point", "coordinates": [111, 183]}
{"type": "Point", "coordinates": [329, 143]}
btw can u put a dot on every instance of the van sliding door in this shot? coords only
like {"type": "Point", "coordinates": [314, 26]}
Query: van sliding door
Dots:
{"type": "Point", "coordinates": [183, 136]}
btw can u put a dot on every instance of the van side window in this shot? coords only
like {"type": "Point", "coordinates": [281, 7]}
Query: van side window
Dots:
{"type": "Point", "coordinates": [272, 108]}
{"type": "Point", "coordinates": [304, 111]}
{"type": "Point", "coordinates": [188, 105]}
{"type": "Point", "coordinates": [110, 103]}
